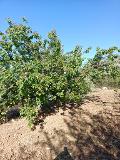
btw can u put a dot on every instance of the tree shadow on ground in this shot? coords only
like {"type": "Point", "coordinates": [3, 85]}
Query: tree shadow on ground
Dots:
{"type": "Point", "coordinates": [64, 155]}
{"type": "Point", "coordinates": [95, 136]}
{"type": "Point", "coordinates": [88, 136]}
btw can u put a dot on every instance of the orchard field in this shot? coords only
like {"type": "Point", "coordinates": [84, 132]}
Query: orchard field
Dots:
{"type": "Point", "coordinates": [52, 101]}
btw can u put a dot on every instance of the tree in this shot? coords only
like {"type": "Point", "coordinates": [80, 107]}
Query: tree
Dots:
{"type": "Point", "coordinates": [36, 73]}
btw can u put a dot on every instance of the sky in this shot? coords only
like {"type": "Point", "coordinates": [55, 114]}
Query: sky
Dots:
{"type": "Point", "coordinates": [94, 23]}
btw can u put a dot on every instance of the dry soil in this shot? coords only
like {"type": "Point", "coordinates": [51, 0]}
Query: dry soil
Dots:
{"type": "Point", "coordinates": [90, 131]}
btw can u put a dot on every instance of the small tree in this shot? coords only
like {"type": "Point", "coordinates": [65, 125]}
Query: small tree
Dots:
{"type": "Point", "coordinates": [36, 73]}
{"type": "Point", "coordinates": [105, 67]}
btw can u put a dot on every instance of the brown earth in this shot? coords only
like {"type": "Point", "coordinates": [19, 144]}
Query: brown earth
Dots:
{"type": "Point", "coordinates": [89, 132]}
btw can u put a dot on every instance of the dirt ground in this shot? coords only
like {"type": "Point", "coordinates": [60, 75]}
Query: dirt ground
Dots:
{"type": "Point", "coordinates": [88, 132]}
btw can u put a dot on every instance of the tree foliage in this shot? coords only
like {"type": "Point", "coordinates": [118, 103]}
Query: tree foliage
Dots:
{"type": "Point", "coordinates": [105, 67]}
{"type": "Point", "coordinates": [36, 73]}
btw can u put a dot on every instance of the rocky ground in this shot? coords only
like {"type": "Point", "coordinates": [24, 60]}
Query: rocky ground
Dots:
{"type": "Point", "coordinates": [88, 132]}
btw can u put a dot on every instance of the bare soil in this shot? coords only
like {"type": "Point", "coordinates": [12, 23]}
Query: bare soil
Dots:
{"type": "Point", "coordinates": [90, 131]}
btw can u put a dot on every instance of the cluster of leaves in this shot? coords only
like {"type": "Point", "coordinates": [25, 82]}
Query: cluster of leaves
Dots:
{"type": "Point", "coordinates": [36, 73]}
{"type": "Point", "coordinates": [104, 68]}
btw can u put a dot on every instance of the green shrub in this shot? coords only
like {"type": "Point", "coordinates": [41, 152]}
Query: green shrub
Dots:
{"type": "Point", "coordinates": [105, 67]}
{"type": "Point", "coordinates": [36, 73]}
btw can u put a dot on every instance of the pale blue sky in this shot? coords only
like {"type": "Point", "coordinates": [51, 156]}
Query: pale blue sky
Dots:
{"type": "Point", "coordinates": [85, 22]}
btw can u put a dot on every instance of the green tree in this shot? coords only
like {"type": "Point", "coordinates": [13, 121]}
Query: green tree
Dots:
{"type": "Point", "coordinates": [36, 73]}
{"type": "Point", "coordinates": [105, 67]}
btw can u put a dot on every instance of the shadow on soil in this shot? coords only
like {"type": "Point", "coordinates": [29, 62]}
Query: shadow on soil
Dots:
{"type": "Point", "coordinates": [98, 137]}
{"type": "Point", "coordinates": [91, 137]}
